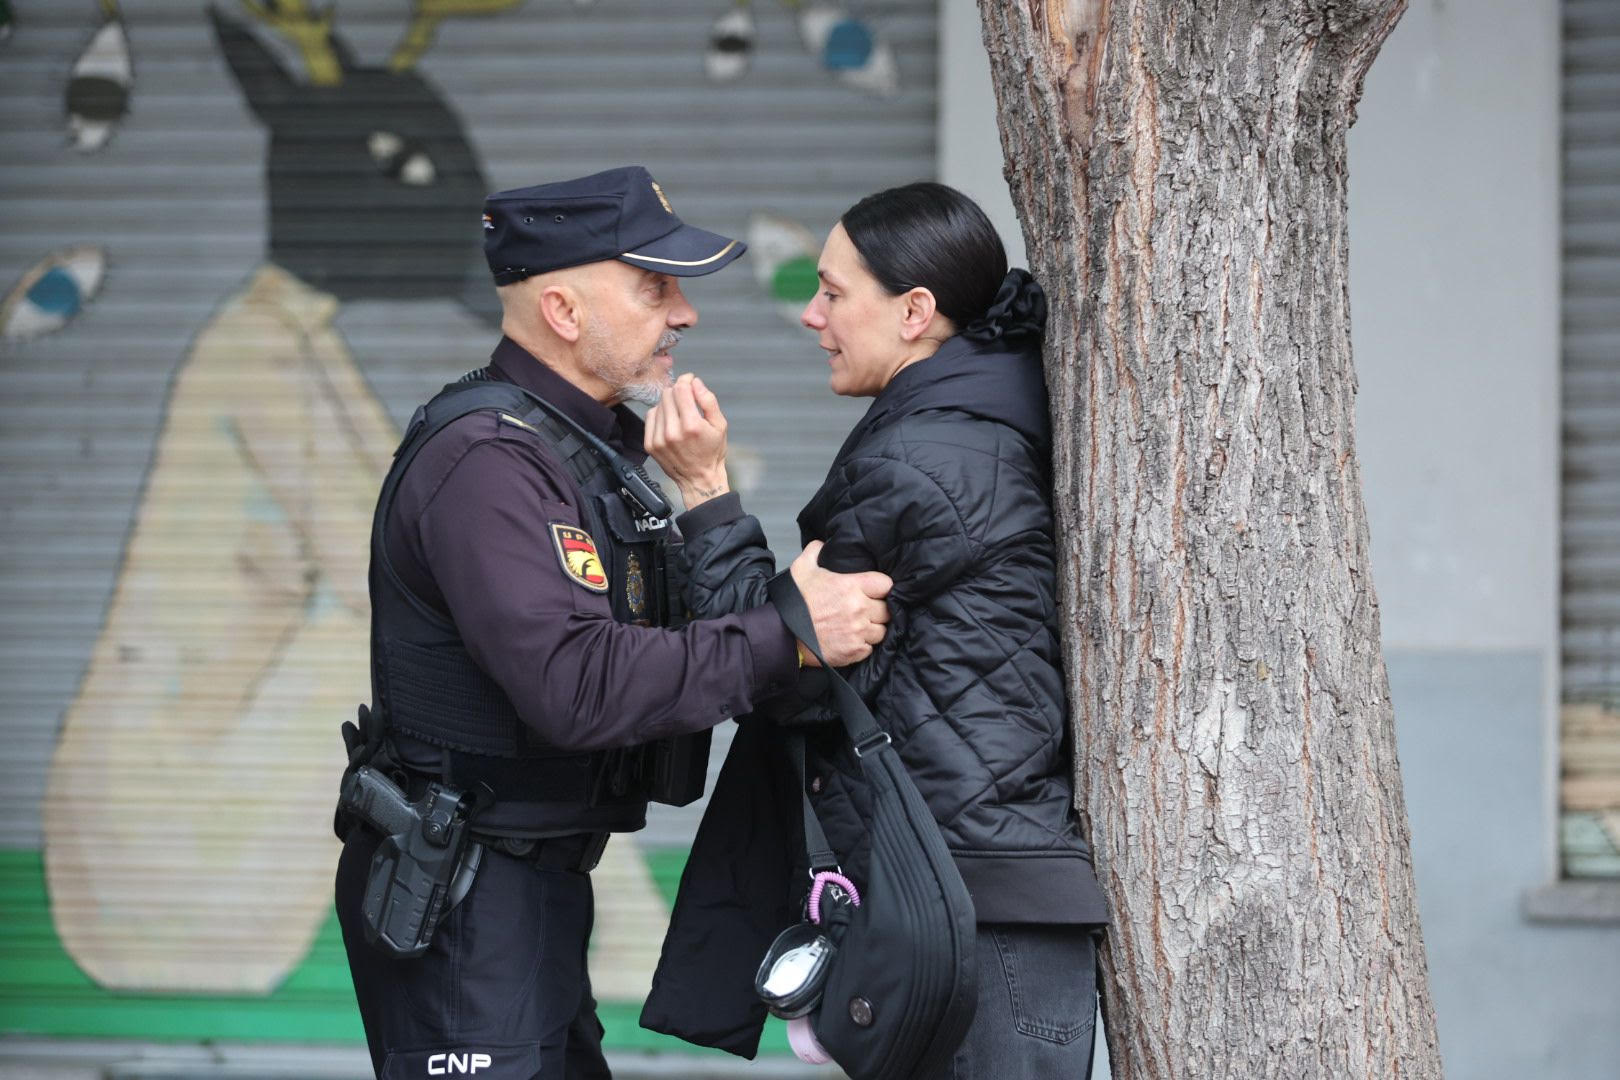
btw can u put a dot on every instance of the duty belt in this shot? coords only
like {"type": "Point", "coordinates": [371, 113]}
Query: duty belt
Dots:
{"type": "Point", "coordinates": [576, 851]}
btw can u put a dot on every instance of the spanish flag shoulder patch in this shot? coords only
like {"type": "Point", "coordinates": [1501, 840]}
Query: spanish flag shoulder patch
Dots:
{"type": "Point", "coordinates": [580, 561]}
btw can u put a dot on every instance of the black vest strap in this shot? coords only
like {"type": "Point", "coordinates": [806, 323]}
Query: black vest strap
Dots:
{"type": "Point", "coordinates": [432, 690]}
{"type": "Point", "coordinates": [424, 683]}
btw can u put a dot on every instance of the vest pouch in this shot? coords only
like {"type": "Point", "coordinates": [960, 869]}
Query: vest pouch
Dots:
{"type": "Point", "coordinates": [634, 561]}
{"type": "Point", "coordinates": [673, 771]}
{"type": "Point", "coordinates": [677, 768]}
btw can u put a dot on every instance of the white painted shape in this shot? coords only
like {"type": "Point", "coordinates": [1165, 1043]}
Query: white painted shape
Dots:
{"type": "Point", "coordinates": [418, 170]}
{"type": "Point", "coordinates": [773, 240]}
{"type": "Point", "coordinates": [28, 322]}
{"type": "Point", "coordinates": [880, 75]}
{"type": "Point", "coordinates": [384, 145]}
{"type": "Point", "coordinates": [86, 266]}
{"type": "Point", "coordinates": [107, 55]}
{"type": "Point", "coordinates": [724, 66]}
{"type": "Point", "coordinates": [815, 25]}
{"type": "Point", "coordinates": [88, 135]}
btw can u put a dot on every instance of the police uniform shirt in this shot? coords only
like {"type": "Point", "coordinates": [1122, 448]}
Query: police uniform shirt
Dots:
{"type": "Point", "coordinates": [472, 533]}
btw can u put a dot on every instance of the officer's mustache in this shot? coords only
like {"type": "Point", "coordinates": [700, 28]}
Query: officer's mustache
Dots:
{"type": "Point", "coordinates": [670, 339]}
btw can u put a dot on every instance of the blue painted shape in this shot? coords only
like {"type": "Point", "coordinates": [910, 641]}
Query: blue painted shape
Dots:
{"type": "Point", "coordinates": [848, 47]}
{"type": "Point", "coordinates": [56, 293]}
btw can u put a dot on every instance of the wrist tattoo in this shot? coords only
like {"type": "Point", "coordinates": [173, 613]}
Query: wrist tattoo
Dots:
{"type": "Point", "coordinates": [708, 493]}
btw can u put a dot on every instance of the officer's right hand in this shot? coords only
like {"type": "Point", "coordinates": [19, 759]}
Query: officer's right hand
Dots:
{"type": "Point", "coordinates": [686, 434]}
{"type": "Point", "coordinates": [846, 610]}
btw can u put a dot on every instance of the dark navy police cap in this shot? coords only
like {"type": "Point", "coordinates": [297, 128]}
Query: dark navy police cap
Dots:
{"type": "Point", "coordinates": [619, 214]}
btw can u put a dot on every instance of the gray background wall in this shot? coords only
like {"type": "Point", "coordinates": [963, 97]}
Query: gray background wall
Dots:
{"type": "Point", "coordinates": [1454, 288]}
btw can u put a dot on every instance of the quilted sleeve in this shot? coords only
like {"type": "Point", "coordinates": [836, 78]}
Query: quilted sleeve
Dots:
{"type": "Point", "coordinates": [727, 560]}
{"type": "Point", "coordinates": [897, 517]}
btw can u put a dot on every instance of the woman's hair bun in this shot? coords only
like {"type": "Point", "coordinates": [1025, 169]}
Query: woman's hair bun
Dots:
{"type": "Point", "coordinates": [1019, 310]}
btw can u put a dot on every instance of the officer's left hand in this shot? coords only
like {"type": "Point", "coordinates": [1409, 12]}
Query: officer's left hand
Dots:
{"type": "Point", "coordinates": [686, 435]}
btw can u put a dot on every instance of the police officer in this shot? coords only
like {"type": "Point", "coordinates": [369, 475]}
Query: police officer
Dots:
{"type": "Point", "coordinates": [526, 643]}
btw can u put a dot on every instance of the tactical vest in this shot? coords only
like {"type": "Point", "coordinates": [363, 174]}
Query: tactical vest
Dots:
{"type": "Point", "coordinates": [427, 689]}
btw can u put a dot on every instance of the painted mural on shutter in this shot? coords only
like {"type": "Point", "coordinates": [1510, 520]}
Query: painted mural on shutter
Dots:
{"type": "Point", "coordinates": [240, 245]}
{"type": "Point", "coordinates": [1590, 742]}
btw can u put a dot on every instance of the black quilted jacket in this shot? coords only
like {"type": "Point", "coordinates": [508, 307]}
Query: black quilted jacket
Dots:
{"type": "Point", "coordinates": [944, 485]}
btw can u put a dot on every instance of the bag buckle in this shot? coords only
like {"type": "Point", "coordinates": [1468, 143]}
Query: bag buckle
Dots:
{"type": "Point", "coordinates": [871, 742]}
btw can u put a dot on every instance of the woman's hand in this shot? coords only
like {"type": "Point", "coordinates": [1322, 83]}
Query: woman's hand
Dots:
{"type": "Point", "coordinates": [686, 435]}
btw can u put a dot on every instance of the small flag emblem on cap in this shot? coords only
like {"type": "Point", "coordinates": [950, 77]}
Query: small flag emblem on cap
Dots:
{"type": "Point", "coordinates": [489, 223]}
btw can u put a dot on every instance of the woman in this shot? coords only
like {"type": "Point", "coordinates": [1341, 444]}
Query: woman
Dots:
{"type": "Point", "coordinates": [944, 485]}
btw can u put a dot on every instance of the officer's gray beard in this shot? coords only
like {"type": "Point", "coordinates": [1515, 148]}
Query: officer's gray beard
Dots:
{"type": "Point", "coordinates": [621, 375]}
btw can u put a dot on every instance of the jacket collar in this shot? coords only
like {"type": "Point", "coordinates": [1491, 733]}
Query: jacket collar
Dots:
{"type": "Point", "coordinates": [992, 380]}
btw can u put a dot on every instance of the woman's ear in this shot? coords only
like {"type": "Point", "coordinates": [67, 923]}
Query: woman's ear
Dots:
{"type": "Point", "coordinates": [916, 313]}
{"type": "Point", "coordinates": [560, 310]}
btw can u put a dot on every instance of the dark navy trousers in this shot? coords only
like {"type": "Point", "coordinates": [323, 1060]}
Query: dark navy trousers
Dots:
{"type": "Point", "coordinates": [501, 994]}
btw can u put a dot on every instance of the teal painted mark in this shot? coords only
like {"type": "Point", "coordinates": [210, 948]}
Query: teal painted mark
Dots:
{"type": "Point", "coordinates": [56, 293]}
{"type": "Point", "coordinates": [849, 46]}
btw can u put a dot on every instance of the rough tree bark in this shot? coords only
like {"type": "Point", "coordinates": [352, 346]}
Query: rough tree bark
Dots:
{"type": "Point", "coordinates": [1179, 169]}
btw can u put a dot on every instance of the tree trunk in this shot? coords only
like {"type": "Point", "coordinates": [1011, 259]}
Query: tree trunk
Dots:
{"type": "Point", "coordinates": [1180, 170]}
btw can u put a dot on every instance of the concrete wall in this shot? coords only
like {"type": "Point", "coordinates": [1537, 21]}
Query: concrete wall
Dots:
{"type": "Point", "coordinates": [1454, 288]}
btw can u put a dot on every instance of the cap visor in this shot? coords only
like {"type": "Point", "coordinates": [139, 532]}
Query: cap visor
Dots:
{"type": "Point", "coordinates": [686, 252]}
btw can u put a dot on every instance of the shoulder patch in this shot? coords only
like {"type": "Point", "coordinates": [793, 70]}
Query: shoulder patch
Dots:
{"type": "Point", "coordinates": [580, 561]}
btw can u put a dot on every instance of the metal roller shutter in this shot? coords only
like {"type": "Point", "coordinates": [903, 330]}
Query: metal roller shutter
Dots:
{"type": "Point", "coordinates": [1590, 750]}
{"type": "Point", "coordinates": [205, 357]}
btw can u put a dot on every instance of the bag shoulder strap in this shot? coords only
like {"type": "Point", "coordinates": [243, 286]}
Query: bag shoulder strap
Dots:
{"type": "Point", "coordinates": [862, 726]}
{"type": "Point", "coordinates": [816, 848]}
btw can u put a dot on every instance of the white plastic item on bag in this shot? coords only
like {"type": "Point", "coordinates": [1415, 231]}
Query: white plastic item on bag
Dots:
{"type": "Point", "coordinates": [802, 1038]}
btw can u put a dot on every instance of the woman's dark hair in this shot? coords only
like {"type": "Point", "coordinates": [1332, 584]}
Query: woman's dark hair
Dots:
{"type": "Point", "coordinates": [934, 237]}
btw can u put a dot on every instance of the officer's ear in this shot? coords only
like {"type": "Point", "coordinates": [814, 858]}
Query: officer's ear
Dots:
{"type": "Point", "coordinates": [561, 310]}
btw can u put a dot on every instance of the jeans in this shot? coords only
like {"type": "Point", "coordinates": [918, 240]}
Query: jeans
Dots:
{"type": "Point", "coordinates": [1037, 1005]}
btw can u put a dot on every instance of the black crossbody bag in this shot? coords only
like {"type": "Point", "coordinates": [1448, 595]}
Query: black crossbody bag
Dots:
{"type": "Point", "coordinates": [900, 984]}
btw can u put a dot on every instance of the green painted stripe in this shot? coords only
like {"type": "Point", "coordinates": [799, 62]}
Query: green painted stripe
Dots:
{"type": "Point", "coordinates": [43, 993]}
{"type": "Point", "coordinates": [666, 866]}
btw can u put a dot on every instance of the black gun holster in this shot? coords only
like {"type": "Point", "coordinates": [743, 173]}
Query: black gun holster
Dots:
{"type": "Point", "coordinates": [424, 865]}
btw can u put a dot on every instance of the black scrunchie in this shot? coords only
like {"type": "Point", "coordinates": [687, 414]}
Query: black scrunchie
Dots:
{"type": "Point", "coordinates": [1019, 310]}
